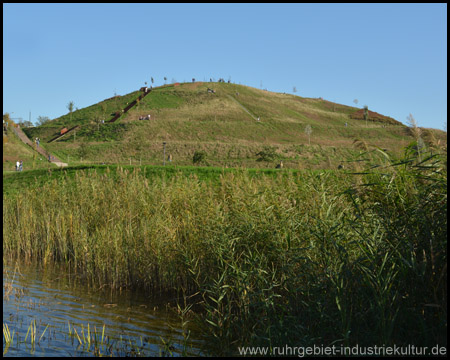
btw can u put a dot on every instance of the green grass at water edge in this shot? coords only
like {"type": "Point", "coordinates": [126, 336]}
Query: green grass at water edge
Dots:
{"type": "Point", "coordinates": [15, 182]}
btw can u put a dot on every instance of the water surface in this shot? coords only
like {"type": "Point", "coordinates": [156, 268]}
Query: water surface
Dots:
{"type": "Point", "coordinates": [50, 296]}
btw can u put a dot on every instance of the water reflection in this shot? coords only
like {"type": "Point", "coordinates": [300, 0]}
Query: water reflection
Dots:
{"type": "Point", "coordinates": [52, 296]}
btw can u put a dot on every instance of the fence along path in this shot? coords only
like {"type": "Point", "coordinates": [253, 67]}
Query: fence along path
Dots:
{"type": "Point", "coordinates": [63, 134]}
{"type": "Point", "coordinates": [53, 159]}
{"type": "Point", "coordinates": [130, 105]}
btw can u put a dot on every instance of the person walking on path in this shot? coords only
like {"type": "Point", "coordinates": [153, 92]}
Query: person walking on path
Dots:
{"type": "Point", "coordinates": [17, 165]}
{"type": "Point", "coordinates": [21, 165]}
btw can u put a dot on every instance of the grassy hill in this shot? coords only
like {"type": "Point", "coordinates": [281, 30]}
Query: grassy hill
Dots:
{"type": "Point", "coordinates": [224, 126]}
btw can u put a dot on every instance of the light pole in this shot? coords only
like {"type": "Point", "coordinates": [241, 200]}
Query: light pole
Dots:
{"type": "Point", "coordinates": [164, 159]}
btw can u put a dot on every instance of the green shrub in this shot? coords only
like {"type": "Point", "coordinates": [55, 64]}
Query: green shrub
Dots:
{"type": "Point", "coordinates": [267, 154]}
{"type": "Point", "coordinates": [199, 157]}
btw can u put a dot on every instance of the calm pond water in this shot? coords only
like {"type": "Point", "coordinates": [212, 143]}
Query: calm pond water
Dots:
{"type": "Point", "coordinates": [59, 302]}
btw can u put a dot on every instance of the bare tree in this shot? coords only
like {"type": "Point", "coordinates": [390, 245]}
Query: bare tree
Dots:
{"type": "Point", "coordinates": [366, 113]}
{"type": "Point", "coordinates": [308, 131]}
{"type": "Point", "coordinates": [356, 102]}
{"type": "Point", "coordinates": [294, 89]}
{"type": "Point", "coordinates": [103, 107]}
{"type": "Point", "coordinates": [165, 79]}
{"type": "Point", "coordinates": [98, 121]}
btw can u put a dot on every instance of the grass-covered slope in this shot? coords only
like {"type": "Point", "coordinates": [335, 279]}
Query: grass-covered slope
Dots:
{"type": "Point", "coordinates": [224, 125]}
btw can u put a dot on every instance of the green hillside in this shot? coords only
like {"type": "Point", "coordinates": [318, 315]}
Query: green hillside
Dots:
{"type": "Point", "coordinates": [224, 126]}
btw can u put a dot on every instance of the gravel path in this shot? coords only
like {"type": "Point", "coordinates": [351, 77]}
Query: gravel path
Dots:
{"type": "Point", "coordinates": [39, 149]}
{"type": "Point", "coordinates": [60, 164]}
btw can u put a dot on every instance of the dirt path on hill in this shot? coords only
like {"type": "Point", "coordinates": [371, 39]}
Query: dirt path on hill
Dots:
{"type": "Point", "coordinates": [242, 106]}
{"type": "Point", "coordinates": [53, 159]}
{"type": "Point", "coordinates": [60, 164]}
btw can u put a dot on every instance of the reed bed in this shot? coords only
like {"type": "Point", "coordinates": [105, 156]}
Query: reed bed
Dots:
{"type": "Point", "coordinates": [299, 259]}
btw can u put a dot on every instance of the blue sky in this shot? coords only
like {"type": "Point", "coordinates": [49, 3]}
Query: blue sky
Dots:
{"type": "Point", "coordinates": [391, 57]}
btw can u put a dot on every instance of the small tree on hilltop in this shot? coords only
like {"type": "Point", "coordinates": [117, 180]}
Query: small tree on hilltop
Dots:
{"type": "Point", "coordinates": [356, 102]}
{"type": "Point", "coordinates": [70, 107]}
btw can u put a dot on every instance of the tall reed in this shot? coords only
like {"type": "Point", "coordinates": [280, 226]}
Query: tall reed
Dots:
{"type": "Point", "coordinates": [298, 259]}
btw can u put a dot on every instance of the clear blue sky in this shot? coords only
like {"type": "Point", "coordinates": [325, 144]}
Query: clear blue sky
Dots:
{"type": "Point", "coordinates": [391, 57]}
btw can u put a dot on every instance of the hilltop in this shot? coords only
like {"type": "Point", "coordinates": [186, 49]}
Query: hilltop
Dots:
{"type": "Point", "coordinates": [233, 125]}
